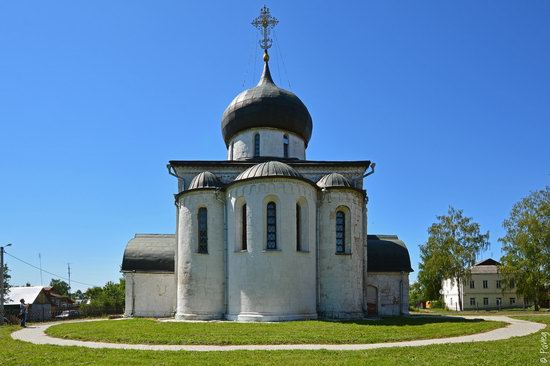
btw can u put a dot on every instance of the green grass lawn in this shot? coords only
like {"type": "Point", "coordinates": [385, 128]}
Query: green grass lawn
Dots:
{"type": "Point", "coordinates": [515, 351]}
{"type": "Point", "coordinates": [505, 312]}
{"type": "Point", "coordinates": [148, 331]}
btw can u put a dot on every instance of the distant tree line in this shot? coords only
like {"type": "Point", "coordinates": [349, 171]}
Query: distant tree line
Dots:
{"type": "Point", "coordinates": [105, 300]}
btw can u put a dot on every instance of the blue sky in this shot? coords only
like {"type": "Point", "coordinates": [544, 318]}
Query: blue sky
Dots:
{"type": "Point", "coordinates": [450, 99]}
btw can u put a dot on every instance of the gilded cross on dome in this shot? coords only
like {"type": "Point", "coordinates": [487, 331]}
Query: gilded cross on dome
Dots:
{"type": "Point", "coordinates": [265, 23]}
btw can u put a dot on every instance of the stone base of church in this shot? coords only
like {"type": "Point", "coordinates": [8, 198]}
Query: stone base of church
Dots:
{"type": "Point", "coordinates": [341, 315]}
{"type": "Point", "coordinates": [258, 317]}
{"type": "Point", "coordinates": [207, 316]}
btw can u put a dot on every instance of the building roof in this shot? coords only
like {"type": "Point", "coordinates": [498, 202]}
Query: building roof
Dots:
{"type": "Point", "coordinates": [28, 293]}
{"type": "Point", "coordinates": [269, 169]}
{"type": "Point", "coordinates": [266, 105]}
{"type": "Point", "coordinates": [386, 253]}
{"type": "Point", "coordinates": [150, 253]}
{"type": "Point", "coordinates": [488, 262]}
{"type": "Point", "coordinates": [334, 180]}
{"type": "Point", "coordinates": [292, 161]}
{"type": "Point", "coordinates": [205, 180]}
{"type": "Point", "coordinates": [485, 266]}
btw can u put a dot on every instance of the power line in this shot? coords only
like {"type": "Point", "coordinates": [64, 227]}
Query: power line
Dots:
{"type": "Point", "coordinates": [48, 272]}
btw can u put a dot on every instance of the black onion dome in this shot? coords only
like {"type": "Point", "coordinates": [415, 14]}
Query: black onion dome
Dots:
{"type": "Point", "coordinates": [266, 105]}
{"type": "Point", "coordinates": [334, 180]}
{"type": "Point", "coordinates": [269, 169]}
{"type": "Point", "coordinates": [205, 180]}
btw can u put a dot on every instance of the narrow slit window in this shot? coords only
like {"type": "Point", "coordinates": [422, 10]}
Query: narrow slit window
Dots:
{"type": "Point", "coordinates": [271, 225]}
{"type": "Point", "coordinates": [203, 230]}
{"type": "Point", "coordinates": [285, 146]}
{"type": "Point", "coordinates": [340, 232]}
{"type": "Point", "coordinates": [256, 145]}
{"type": "Point", "coordinates": [298, 228]}
{"type": "Point", "coordinates": [244, 244]}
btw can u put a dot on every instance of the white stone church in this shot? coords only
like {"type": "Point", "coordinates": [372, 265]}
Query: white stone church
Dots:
{"type": "Point", "coordinates": [267, 235]}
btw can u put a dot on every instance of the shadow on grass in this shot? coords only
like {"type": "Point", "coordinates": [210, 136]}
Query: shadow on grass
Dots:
{"type": "Point", "coordinates": [407, 320]}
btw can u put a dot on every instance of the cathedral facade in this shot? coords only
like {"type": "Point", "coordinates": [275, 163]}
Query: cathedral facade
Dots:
{"type": "Point", "coordinates": [267, 235]}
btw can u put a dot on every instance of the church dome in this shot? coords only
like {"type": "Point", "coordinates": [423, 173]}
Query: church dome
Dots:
{"type": "Point", "coordinates": [269, 169]}
{"type": "Point", "coordinates": [205, 180]}
{"type": "Point", "coordinates": [266, 105]}
{"type": "Point", "coordinates": [334, 180]}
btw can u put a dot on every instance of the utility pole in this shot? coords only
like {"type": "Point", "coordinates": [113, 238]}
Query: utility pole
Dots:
{"type": "Point", "coordinates": [2, 284]}
{"type": "Point", "coordinates": [69, 270]}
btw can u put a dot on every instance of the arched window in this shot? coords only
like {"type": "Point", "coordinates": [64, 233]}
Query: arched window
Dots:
{"type": "Point", "coordinates": [285, 146]}
{"type": "Point", "coordinates": [298, 227]}
{"type": "Point", "coordinates": [271, 225]}
{"type": "Point", "coordinates": [203, 230]}
{"type": "Point", "coordinates": [340, 232]}
{"type": "Point", "coordinates": [244, 244]}
{"type": "Point", "coordinates": [256, 145]}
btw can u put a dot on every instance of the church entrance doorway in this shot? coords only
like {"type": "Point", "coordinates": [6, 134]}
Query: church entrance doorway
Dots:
{"type": "Point", "coordinates": [372, 300]}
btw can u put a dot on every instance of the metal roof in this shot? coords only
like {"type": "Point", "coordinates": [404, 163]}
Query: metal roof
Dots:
{"type": "Point", "coordinates": [205, 180]}
{"type": "Point", "coordinates": [150, 253]}
{"type": "Point", "coordinates": [269, 169]}
{"type": "Point", "coordinates": [485, 266]}
{"type": "Point", "coordinates": [28, 293]}
{"type": "Point", "coordinates": [386, 253]}
{"type": "Point", "coordinates": [334, 180]}
{"type": "Point", "coordinates": [266, 105]}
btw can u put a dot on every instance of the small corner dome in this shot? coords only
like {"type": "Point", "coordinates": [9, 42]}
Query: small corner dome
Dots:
{"type": "Point", "coordinates": [266, 105]}
{"type": "Point", "coordinates": [205, 180]}
{"type": "Point", "coordinates": [334, 180]}
{"type": "Point", "coordinates": [269, 169]}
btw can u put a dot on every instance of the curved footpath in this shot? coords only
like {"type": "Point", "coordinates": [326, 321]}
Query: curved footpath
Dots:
{"type": "Point", "coordinates": [516, 328]}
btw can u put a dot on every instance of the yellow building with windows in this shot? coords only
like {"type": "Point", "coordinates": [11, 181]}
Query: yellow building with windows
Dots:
{"type": "Point", "coordinates": [484, 290]}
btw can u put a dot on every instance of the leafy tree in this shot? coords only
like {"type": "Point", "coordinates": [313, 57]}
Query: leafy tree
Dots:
{"type": "Point", "coordinates": [526, 246]}
{"type": "Point", "coordinates": [60, 286]}
{"type": "Point", "coordinates": [78, 295]}
{"type": "Point", "coordinates": [453, 243]}
{"type": "Point", "coordinates": [93, 292]}
{"type": "Point", "coordinates": [415, 294]}
{"type": "Point", "coordinates": [6, 281]}
{"type": "Point", "coordinates": [108, 299]}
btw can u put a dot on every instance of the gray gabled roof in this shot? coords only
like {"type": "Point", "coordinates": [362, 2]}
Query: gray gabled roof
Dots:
{"type": "Point", "coordinates": [150, 253]}
{"type": "Point", "coordinates": [386, 253]}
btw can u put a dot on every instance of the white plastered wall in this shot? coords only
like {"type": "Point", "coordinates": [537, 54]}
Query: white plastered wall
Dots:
{"type": "Point", "coordinates": [341, 275]}
{"type": "Point", "coordinates": [271, 285]}
{"type": "Point", "coordinates": [241, 145]}
{"type": "Point", "coordinates": [152, 294]}
{"type": "Point", "coordinates": [200, 280]}
{"type": "Point", "coordinates": [392, 299]}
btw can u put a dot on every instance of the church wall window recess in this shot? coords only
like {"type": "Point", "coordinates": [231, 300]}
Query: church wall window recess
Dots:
{"type": "Point", "coordinates": [256, 145]}
{"type": "Point", "coordinates": [244, 243]}
{"type": "Point", "coordinates": [202, 219]}
{"type": "Point", "coordinates": [285, 146]}
{"type": "Point", "coordinates": [298, 228]}
{"type": "Point", "coordinates": [271, 226]}
{"type": "Point", "coordinates": [340, 232]}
